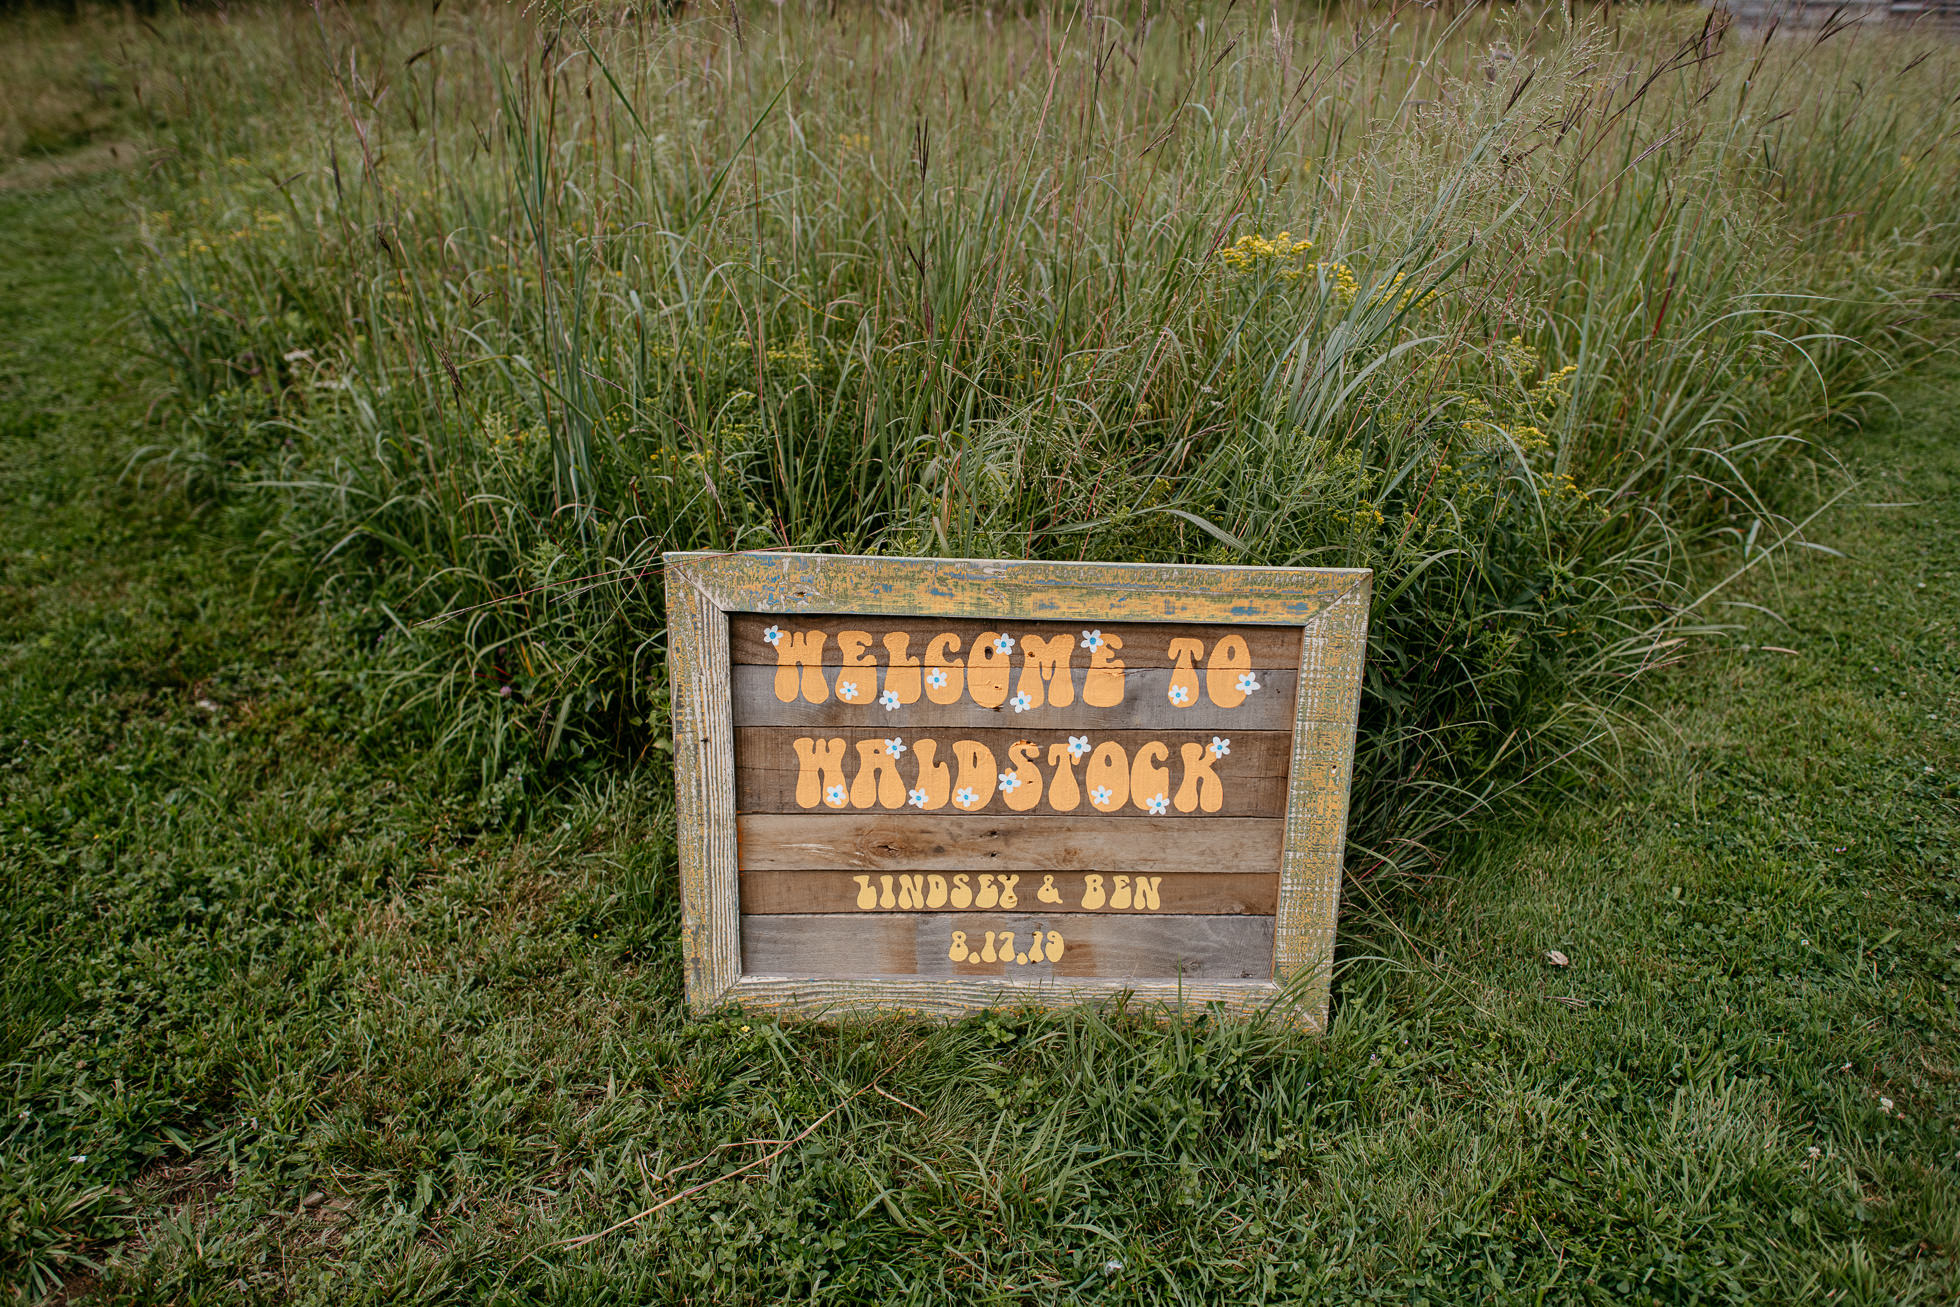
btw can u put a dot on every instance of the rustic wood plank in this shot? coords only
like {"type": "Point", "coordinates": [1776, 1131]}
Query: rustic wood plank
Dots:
{"type": "Point", "coordinates": [1145, 705]}
{"type": "Point", "coordinates": [1251, 774]}
{"type": "Point", "coordinates": [1331, 604]}
{"type": "Point", "coordinates": [1010, 589]}
{"type": "Point", "coordinates": [1144, 644]}
{"type": "Point", "coordinates": [1221, 893]}
{"type": "Point", "coordinates": [936, 842]}
{"type": "Point", "coordinates": [830, 999]}
{"type": "Point", "coordinates": [705, 792]}
{"type": "Point", "coordinates": [1316, 824]}
{"type": "Point", "coordinates": [917, 944]}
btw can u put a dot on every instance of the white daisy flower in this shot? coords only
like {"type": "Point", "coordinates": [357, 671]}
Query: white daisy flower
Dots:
{"type": "Point", "coordinates": [890, 699]}
{"type": "Point", "coordinates": [834, 796]}
{"type": "Point", "coordinates": [936, 678]}
{"type": "Point", "coordinates": [1180, 696]}
{"type": "Point", "coordinates": [847, 689]}
{"type": "Point", "coordinates": [773, 635]}
{"type": "Point", "coordinates": [1004, 644]}
{"type": "Point", "coordinates": [1092, 639]}
{"type": "Point", "coordinates": [964, 797]}
{"type": "Point", "coordinates": [1247, 682]}
{"type": "Point", "coordinates": [1077, 746]}
{"type": "Point", "coordinates": [1219, 748]}
{"type": "Point", "coordinates": [1158, 804]}
{"type": "Point", "coordinates": [895, 747]}
{"type": "Point", "coordinates": [1010, 781]}
{"type": "Point", "coordinates": [1100, 795]}
{"type": "Point", "coordinates": [917, 798]}
{"type": "Point", "coordinates": [1022, 701]}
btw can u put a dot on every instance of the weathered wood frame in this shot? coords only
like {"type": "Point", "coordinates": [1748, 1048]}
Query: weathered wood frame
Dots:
{"type": "Point", "coordinates": [1331, 605]}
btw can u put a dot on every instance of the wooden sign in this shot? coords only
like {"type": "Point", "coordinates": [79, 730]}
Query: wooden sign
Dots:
{"type": "Point", "coordinates": [936, 784]}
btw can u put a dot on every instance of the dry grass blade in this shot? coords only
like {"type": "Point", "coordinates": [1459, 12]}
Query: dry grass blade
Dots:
{"type": "Point", "coordinates": [782, 1146]}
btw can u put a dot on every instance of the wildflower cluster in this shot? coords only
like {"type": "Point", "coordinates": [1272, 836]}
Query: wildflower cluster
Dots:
{"type": "Point", "coordinates": [799, 353]}
{"type": "Point", "coordinates": [1253, 253]}
{"type": "Point", "coordinates": [1339, 278]}
{"type": "Point", "coordinates": [1515, 413]}
{"type": "Point", "coordinates": [1497, 425]}
{"type": "Point", "coordinates": [1285, 257]}
{"type": "Point", "coordinates": [1560, 487]}
{"type": "Point", "coordinates": [1389, 293]}
{"type": "Point", "coordinates": [500, 435]}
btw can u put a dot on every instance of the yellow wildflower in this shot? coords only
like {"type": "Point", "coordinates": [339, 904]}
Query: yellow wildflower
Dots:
{"type": "Point", "coordinates": [1280, 253]}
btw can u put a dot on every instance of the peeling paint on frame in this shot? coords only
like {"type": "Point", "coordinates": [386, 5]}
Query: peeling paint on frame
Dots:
{"type": "Point", "coordinates": [1329, 605]}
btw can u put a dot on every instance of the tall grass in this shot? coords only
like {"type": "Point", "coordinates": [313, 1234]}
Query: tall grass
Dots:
{"type": "Point", "coordinates": [1541, 318]}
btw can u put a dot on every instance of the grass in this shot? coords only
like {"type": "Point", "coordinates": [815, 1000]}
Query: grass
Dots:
{"type": "Point", "coordinates": [480, 312]}
{"type": "Point", "coordinates": [325, 1025]}
{"type": "Point", "coordinates": [323, 982]}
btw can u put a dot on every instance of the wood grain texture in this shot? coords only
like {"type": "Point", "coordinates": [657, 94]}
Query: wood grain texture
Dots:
{"type": "Point", "coordinates": [1144, 706]}
{"type": "Point", "coordinates": [1224, 893]}
{"type": "Point", "coordinates": [1251, 777]}
{"type": "Point", "coordinates": [916, 944]}
{"type": "Point", "coordinates": [1005, 591]}
{"type": "Point", "coordinates": [705, 791]}
{"type": "Point", "coordinates": [1009, 589]}
{"type": "Point", "coordinates": [1316, 824]}
{"type": "Point", "coordinates": [930, 842]}
{"type": "Point", "coordinates": [1145, 644]}
{"type": "Point", "coordinates": [833, 999]}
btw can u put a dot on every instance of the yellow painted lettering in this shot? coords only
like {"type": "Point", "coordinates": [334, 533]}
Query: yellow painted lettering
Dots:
{"type": "Point", "coordinates": [800, 649]}
{"type": "Point", "coordinates": [1102, 684]}
{"type": "Point", "coordinates": [979, 774]}
{"type": "Point", "coordinates": [1200, 787]}
{"type": "Point", "coordinates": [962, 895]}
{"type": "Point", "coordinates": [819, 767]}
{"type": "Point", "coordinates": [867, 897]}
{"type": "Point", "coordinates": [988, 895]}
{"type": "Point", "coordinates": [1184, 680]}
{"type": "Point", "coordinates": [935, 891]}
{"type": "Point", "coordinates": [1229, 659]}
{"type": "Point", "coordinates": [945, 676]}
{"type": "Point", "coordinates": [1062, 792]}
{"type": "Point", "coordinates": [857, 679]}
{"type": "Point", "coordinates": [935, 777]}
{"type": "Point", "coordinates": [877, 779]}
{"type": "Point", "coordinates": [1120, 893]}
{"type": "Point", "coordinates": [912, 892]}
{"type": "Point", "coordinates": [1092, 892]}
{"type": "Point", "coordinates": [1108, 777]}
{"type": "Point", "coordinates": [1147, 780]}
{"type": "Point", "coordinates": [987, 669]}
{"type": "Point", "coordinates": [1048, 660]}
{"type": "Point", "coordinates": [1008, 898]}
{"type": "Point", "coordinates": [901, 668]}
{"type": "Point", "coordinates": [885, 898]}
{"type": "Point", "coordinates": [1027, 794]}
{"type": "Point", "coordinates": [1146, 897]}
{"type": "Point", "coordinates": [1047, 893]}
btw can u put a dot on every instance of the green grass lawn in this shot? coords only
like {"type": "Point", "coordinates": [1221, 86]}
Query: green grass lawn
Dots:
{"type": "Point", "coordinates": [297, 1011]}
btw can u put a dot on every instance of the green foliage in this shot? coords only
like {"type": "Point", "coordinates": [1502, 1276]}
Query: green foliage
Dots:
{"type": "Point", "coordinates": [289, 1014]}
{"type": "Point", "coordinates": [1552, 317]}
{"type": "Point", "coordinates": [296, 1007]}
